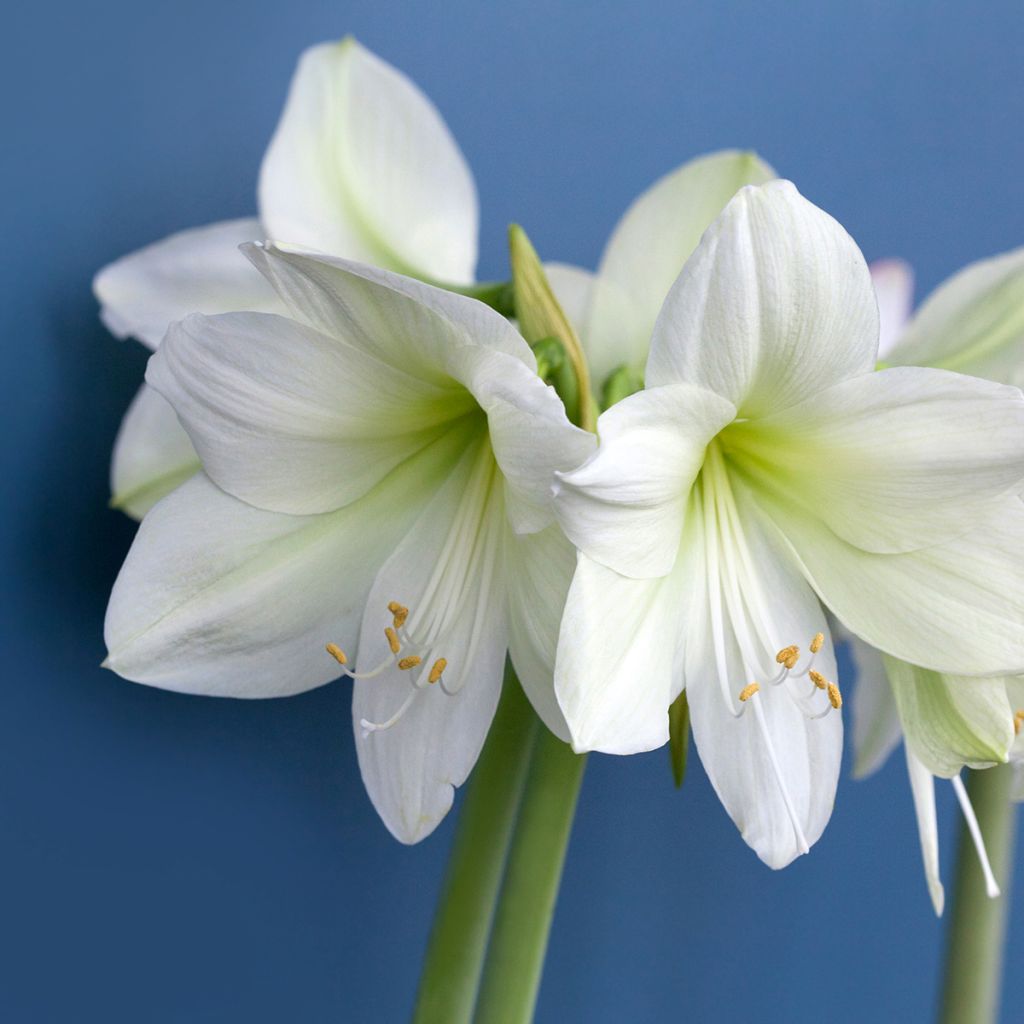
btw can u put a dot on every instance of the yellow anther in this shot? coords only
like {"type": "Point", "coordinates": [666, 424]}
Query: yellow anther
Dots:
{"type": "Point", "coordinates": [835, 698]}
{"type": "Point", "coordinates": [1018, 720]}
{"type": "Point", "coordinates": [788, 656]}
{"type": "Point", "coordinates": [749, 690]}
{"type": "Point", "coordinates": [392, 640]}
{"type": "Point", "coordinates": [400, 617]}
{"type": "Point", "coordinates": [818, 679]}
{"type": "Point", "coordinates": [437, 669]}
{"type": "Point", "coordinates": [337, 654]}
{"type": "Point", "coordinates": [411, 662]}
{"type": "Point", "coordinates": [817, 643]}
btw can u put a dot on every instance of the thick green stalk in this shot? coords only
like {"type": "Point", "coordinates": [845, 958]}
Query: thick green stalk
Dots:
{"type": "Point", "coordinates": [462, 922]}
{"type": "Point", "coordinates": [977, 925]}
{"type": "Point", "coordinates": [515, 959]}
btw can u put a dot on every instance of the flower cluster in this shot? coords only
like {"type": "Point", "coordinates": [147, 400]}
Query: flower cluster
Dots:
{"type": "Point", "coordinates": [345, 463]}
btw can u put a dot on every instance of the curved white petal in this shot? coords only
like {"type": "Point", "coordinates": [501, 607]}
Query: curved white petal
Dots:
{"type": "Point", "coordinates": [775, 768]}
{"type": "Point", "coordinates": [922, 786]}
{"type": "Point", "coordinates": [951, 721]}
{"type": "Point", "coordinates": [894, 289]}
{"type": "Point", "coordinates": [217, 597]}
{"type": "Point", "coordinates": [876, 722]}
{"type": "Point", "coordinates": [625, 506]}
{"type": "Point", "coordinates": [573, 288]}
{"type": "Point", "coordinates": [973, 323]}
{"type": "Point", "coordinates": [955, 607]}
{"type": "Point", "coordinates": [362, 165]}
{"type": "Point", "coordinates": [291, 420]}
{"type": "Point", "coordinates": [647, 250]}
{"type": "Point", "coordinates": [195, 271]}
{"type": "Point", "coordinates": [448, 573]}
{"type": "Point", "coordinates": [411, 325]}
{"type": "Point", "coordinates": [152, 455]}
{"type": "Point", "coordinates": [538, 570]}
{"type": "Point", "coordinates": [895, 460]}
{"type": "Point", "coordinates": [775, 304]}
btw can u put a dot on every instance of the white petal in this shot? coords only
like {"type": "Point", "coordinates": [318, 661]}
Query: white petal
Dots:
{"type": "Point", "coordinates": [955, 607]}
{"type": "Point", "coordinates": [973, 323]}
{"type": "Point", "coordinates": [217, 597]}
{"type": "Point", "coordinates": [895, 460]}
{"type": "Point", "coordinates": [648, 248]}
{"type": "Point", "coordinates": [411, 325]}
{"type": "Point", "coordinates": [625, 506]}
{"type": "Point", "coordinates": [448, 572]}
{"type": "Point", "coordinates": [573, 288]}
{"type": "Point", "coordinates": [289, 419]}
{"type": "Point", "coordinates": [876, 722]}
{"type": "Point", "coordinates": [775, 304]}
{"type": "Point", "coordinates": [538, 569]}
{"type": "Point", "coordinates": [614, 671]}
{"type": "Point", "coordinates": [195, 271]}
{"type": "Point", "coordinates": [894, 289]}
{"type": "Point", "coordinates": [363, 166]}
{"type": "Point", "coordinates": [951, 721]}
{"type": "Point", "coordinates": [768, 606]}
{"type": "Point", "coordinates": [922, 785]}
{"type": "Point", "coordinates": [152, 455]}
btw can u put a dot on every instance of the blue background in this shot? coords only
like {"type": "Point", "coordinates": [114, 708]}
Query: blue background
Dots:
{"type": "Point", "coordinates": [168, 858]}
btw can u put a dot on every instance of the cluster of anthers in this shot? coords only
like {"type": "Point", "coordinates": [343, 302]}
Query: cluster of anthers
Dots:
{"type": "Point", "coordinates": [397, 638]}
{"type": "Point", "coordinates": [788, 659]}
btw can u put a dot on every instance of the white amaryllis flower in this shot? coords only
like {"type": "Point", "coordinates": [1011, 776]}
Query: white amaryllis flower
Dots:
{"type": "Point", "coordinates": [614, 310]}
{"type": "Point", "coordinates": [973, 323]}
{"type": "Point", "coordinates": [767, 469]}
{"type": "Point", "coordinates": [361, 166]}
{"type": "Point", "coordinates": [377, 477]}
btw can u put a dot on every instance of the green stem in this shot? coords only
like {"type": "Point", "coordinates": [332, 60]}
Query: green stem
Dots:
{"type": "Point", "coordinates": [458, 938]}
{"type": "Point", "coordinates": [519, 940]}
{"type": "Point", "coordinates": [977, 925]}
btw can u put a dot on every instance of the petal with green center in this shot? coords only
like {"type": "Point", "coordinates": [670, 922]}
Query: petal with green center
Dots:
{"type": "Point", "coordinates": [774, 305]}
{"type": "Point", "coordinates": [152, 455]}
{"type": "Point", "coordinates": [951, 721]}
{"type": "Point", "coordinates": [195, 271]}
{"type": "Point", "coordinates": [363, 165]}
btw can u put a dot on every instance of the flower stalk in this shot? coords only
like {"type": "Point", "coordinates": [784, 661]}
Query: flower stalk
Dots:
{"type": "Point", "coordinates": [977, 925]}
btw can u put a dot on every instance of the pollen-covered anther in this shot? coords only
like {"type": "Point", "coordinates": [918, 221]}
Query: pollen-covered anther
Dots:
{"type": "Point", "coordinates": [817, 643]}
{"type": "Point", "coordinates": [835, 698]}
{"type": "Point", "coordinates": [1018, 721]}
{"type": "Point", "coordinates": [437, 670]}
{"type": "Point", "coordinates": [337, 654]}
{"type": "Point", "coordinates": [748, 691]}
{"type": "Point", "coordinates": [393, 641]}
{"type": "Point", "coordinates": [399, 612]}
{"type": "Point", "coordinates": [818, 679]}
{"type": "Point", "coordinates": [788, 656]}
{"type": "Point", "coordinates": [410, 662]}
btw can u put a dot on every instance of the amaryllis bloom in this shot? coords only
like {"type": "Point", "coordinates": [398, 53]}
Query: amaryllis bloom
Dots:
{"type": "Point", "coordinates": [361, 166]}
{"type": "Point", "coordinates": [377, 481]}
{"type": "Point", "coordinates": [766, 472]}
{"type": "Point", "coordinates": [973, 323]}
{"type": "Point", "coordinates": [614, 310]}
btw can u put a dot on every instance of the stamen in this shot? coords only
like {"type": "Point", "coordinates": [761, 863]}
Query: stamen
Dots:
{"type": "Point", "coordinates": [410, 662]}
{"type": "Point", "coordinates": [400, 613]}
{"type": "Point", "coordinates": [817, 643]}
{"type": "Point", "coordinates": [835, 698]}
{"type": "Point", "coordinates": [337, 654]}
{"type": "Point", "coordinates": [368, 726]}
{"type": "Point", "coordinates": [818, 679]}
{"type": "Point", "coordinates": [991, 886]}
{"type": "Point", "coordinates": [437, 669]}
{"type": "Point", "coordinates": [788, 656]}
{"type": "Point", "coordinates": [749, 690]}
{"type": "Point", "coordinates": [393, 642]}
{"type": "Point", "coordinates": [1018, 720]}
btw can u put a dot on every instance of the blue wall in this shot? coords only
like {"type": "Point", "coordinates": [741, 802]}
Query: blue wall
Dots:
{"type": "Point", "coordinates": [168, 858]}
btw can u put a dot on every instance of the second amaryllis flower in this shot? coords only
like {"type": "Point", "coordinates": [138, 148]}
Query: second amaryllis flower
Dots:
{"type": "Point", "coordinates": [768, 470]}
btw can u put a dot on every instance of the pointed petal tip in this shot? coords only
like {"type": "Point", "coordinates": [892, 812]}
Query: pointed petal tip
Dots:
{"type": "Point", "coordinates": [938, 895]}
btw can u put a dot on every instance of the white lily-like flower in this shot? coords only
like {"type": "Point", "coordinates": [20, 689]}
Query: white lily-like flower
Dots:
{"type": "Point", "coordinates": [614, 310]}
{"type": "Point", "coordinates": [377, 477]}
{"type": "Point", "coordinates": [361, 166]}
{"type": "Point", "coordinates": [766, 470]}
{"type": "Point", "coordinates": [972, 323]}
